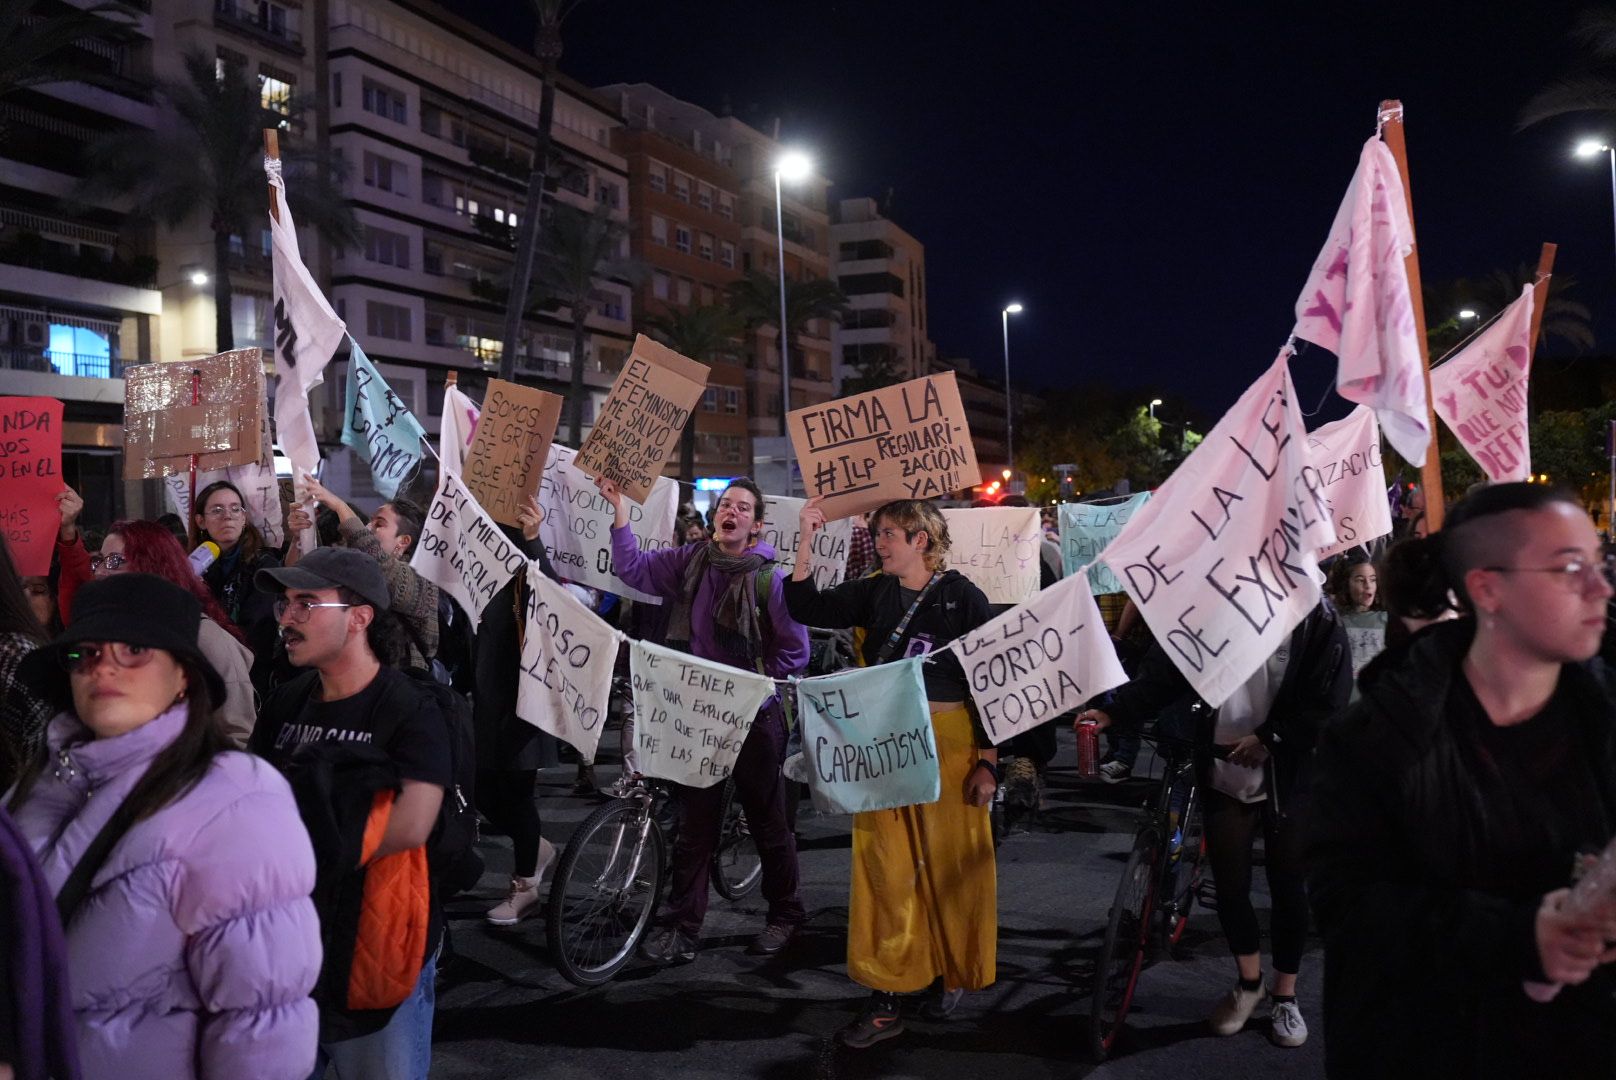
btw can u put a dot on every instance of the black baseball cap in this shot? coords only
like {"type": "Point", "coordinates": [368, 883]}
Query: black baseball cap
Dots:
{"type": "Point", "coordinates": [331, 568]}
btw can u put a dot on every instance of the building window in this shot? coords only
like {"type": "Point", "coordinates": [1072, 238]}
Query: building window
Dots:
{"type": "Point", "coordinates": [606, 194]}
{"type": "Point", "coordinates": [336, 89]}
{"type": "Point", "coordinates": [726, 254]}
{"type": "Point", "coordinates": [661, 285]}
{"type": "Point", "coordinates": [681, 187]}
{"type": "Point", "coordinates": [708, 296]}
{"type": "Point", "coordinates": [686, 286]}
{"type": "Point", "coordinates": [385, 174]}
{"type": "Point", "coordinates": [608, 304]}
{"type": "Point", "coordinates": [657, 178]}
{"type": "Point", "coordinates": [681, 239]}
{"type": "Point", "coordinates": [659, 230]}
{"type": "Point", "coordinates": [726, 206]}
{"type": "Point", "coordinates": [387, 321]}
{"type": "Point", "coordinates": [732, 400]}
{"type": "Point", "coordinates": [709, 399]}
{"type": "Point", "coordinates": [576, 181]}
{"type": "Point", "coordinates": [706, 248]}
{"type": "Point", "coordinates": [387, 248]}
{"type": "Point", "coordinates": [227, 60]}
{"type": "Point", "coordinates": [384, 101]}
{"type": "Point", "coordinates": [704, 196]}
{"type": "Point", "coordinates": [275, 90]}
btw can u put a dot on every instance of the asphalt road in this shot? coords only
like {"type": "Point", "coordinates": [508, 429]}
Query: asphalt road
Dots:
{"type": "Point", "coordinates": [503, 1011]}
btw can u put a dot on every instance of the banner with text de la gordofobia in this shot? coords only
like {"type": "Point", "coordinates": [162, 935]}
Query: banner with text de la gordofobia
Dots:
{"type": "Point", "coordinates": [1222, 562]}
{"type": "Point", "coordinates": [867, 738]}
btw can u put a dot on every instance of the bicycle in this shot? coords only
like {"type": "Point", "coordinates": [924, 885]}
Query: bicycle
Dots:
{"type": "Point", "coordinates": [1160, 882]}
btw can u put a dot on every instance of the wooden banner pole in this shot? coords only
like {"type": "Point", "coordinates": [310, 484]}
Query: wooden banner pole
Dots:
{"type": "Point", "coordinates": [272, 150]}
{"type": "Point", "coordinates": [1540, 296]}
{"type": "Point", "coordinates": [1391, 130]}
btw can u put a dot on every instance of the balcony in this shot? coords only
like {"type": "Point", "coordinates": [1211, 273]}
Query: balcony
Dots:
{"type": "Point", "coordinates": [494, 232]}
{"type": "Point", "coordinates": [260, 20]}
{"type": "Point", "coordinates": [33, 251]}
{"type": "Point", "coordinates": [508, 163]}
{"type": "Point", "coordinates": [56, 362]}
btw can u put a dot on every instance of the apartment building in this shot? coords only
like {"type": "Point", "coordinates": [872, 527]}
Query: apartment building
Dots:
{"type": "Point", "coordinates": [882, 270]}
{"type": "Point", "coordinates": [79, 283]}
{"type": "Point", "coordinates": [984, 401]}
{"type": "Point", "coordinates": [686, 232]}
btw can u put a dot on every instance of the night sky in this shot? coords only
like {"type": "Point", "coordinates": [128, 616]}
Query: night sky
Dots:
{"type": "Point", "coordinates": [1152, 181]}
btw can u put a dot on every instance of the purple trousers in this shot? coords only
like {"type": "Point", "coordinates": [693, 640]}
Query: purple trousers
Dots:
{"type": "Point", "coordinates": [761, 791]}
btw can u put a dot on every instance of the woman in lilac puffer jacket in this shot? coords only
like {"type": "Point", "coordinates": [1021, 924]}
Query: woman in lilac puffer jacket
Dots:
{"type": "Point", "coordinates": [196, 945]}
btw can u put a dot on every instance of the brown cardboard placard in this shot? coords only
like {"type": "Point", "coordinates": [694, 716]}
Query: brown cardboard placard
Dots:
{"type": "Point", "coordinates": [510, 447]}
{"type": "Point", "coordinates": [163, 426]}
{"type": "Point", "coordinates": [638, 428]}
{"type": "Point", "coordinates": [908, 441]}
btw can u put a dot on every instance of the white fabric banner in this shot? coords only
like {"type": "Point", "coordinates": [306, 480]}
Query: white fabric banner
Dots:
{"type": "Point", "coordinates": [260, 493]}
{"type": "Point", "coordinates": [577, 528]}
{"type": "Point", "coordinates": [455, 429]}
{"type": "Point", "coordinates": [999, 548]}
{"type": "Point", "coordinates": [1222, 561]}
{"type": "Point", "coordinates": [1039, 660]}
{"type": "Point", "coordinates": [1356, 303]}
{"type": "Point", "coordinates": [827, 559]}
{"type": "Point", "coordinates": [462, 550]}
{"type": "Point", "coordinates": [568, 653]}
{"type": "Point", "coordinates": [1347, 457]}
{"type": "Point", "coordinates": [691, 716]}
{"type": "Point", "coordinates": [1481, 393]}
{"type": "Point", "coordinates": [867, 738]}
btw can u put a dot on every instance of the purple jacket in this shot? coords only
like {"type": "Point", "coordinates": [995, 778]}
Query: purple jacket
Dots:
{"type": "Point", "coordinates": [195, 950]}
{"type": "Point", "coordinates": [663, 574]}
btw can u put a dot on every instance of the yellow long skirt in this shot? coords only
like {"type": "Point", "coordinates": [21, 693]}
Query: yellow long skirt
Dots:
{"type": "Point", "coordinates": [925, 896]}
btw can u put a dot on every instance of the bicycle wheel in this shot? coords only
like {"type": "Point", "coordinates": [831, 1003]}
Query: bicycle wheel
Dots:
{"type": "Point", "coordinates": [605, 892]}
{"type": "Point", "coordinates": [737, 866]}
{"type": "Point", "coordinates": [1182, 877]}
{"type": "Point", "coordinates": [1122, 956]}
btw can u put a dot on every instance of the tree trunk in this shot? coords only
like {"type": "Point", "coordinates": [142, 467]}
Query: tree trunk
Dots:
{"type": "Point", "coordinates": [687, 451]}
{"type": "Point", "coordinates": [527, 238]}
{"type": "Point", "coordinates": [576, 391]}
{"type": "Point", "coordinates": [224, 334]}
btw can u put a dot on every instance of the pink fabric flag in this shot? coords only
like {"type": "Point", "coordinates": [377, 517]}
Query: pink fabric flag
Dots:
{"type": "Point", "coordinates": [1356, 303]}
{"type": "Point", "coordinates": [1481, 393]}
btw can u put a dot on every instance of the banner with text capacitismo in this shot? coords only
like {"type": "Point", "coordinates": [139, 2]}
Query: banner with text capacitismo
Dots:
{"type": "Point", "coordinates": [508, 449]}
{"type": "Point", "coordinates": [691, 716]}
{"type": "Point", "coordinates": [909, 441]}
{"type": "Point", "coordinates": [867, 738]}
{"type": "Point", "coordinates": [637, 430]}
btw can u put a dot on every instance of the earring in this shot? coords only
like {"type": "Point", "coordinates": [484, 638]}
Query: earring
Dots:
{"type": "Point", "coordinates": [179, 697]}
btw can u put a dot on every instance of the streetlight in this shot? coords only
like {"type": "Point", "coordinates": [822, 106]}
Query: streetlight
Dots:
{"type": "Point", "coordinates": [792, 166]}
{"type": "Point", "coordinates": [1466, 314]}
{"type": "Point", "coordinates": [1153, 403]}
{"type": "Point", "coordinates": [1592, 148]}
{"type": "Point", "coordinates": [199, 277]}
{"type": "Point", "coordinates": [1009, 426]}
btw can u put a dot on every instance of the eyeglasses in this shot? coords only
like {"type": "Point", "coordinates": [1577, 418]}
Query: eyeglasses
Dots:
{"type": "Point", "coordinates": [85, 657]}
{"type": "Point", "coordinates": [301, 609]}
{"type": "Point", "coordinates": [113, 561]}
{"type": "Point", "coordinates": [1581, 574]}
{"type": "Point", "coordinates": [220, 513]}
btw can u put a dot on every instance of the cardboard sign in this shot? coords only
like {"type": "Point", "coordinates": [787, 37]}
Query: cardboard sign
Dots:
{"type": "Point", "coordinates": [377, 425]}
{"type": "Point", "coordinates": [638, 428]}
{"type": "Point", "coordinates": [867, 739]}
{"type": "Point", "coordinates": [31, 477]}
{"type": "Point", "coordinates": [568, 653]}
{"type": "Point", "coordinates": [509, 447]}
{"type": "Point", "coordinates": [577, 526]}
{"type": "Point", "coordinates": [999, 548]}
{"type": "Point", "coordinates": [1086, 529]}
{"type": "Point", "coordinates": [1223, 561]}
{"type": "Point", "coordinates": [163, 427]}
{"type": "Point", "coordinates": [691, 716]}
{"type": "Point", "coordinates": [1481, 394]}
{"type": "Point", "coordinates": [908, 441]}
{"type": "Point", "coordinates": [1040, 660]}
{"type": "Point", "coordinates": [1347, 457]}
{"type": "Point", "coordinates": [827, 557]}
{"type": "Point", "coordinates": [462, 551]}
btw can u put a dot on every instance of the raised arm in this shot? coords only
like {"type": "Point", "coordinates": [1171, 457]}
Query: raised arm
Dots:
{"type": "Point", "coordinates": [661, 573]}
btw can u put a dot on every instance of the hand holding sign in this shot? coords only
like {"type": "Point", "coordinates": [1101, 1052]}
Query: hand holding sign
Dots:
{"type": "Point", "coordinates": [811, 519]}
{"type": "Point", "coordinates": [529, 517]}
{"type": "Point", "coordinates": [69, 504]}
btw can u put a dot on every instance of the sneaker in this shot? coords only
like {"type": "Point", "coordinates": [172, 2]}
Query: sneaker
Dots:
{"type": "Point", "coordinates": [775, 936]}
{"type": "Point", "coordinates": [941, 1004]}
{"type": "Point", "coordinates": [880, 1020]}
{"type": "Point", "coordinates": [1234, 1010]}
{"type": "Point", "coordinates": [1286, 1026]}
{"type": "Point", "coordinates": [524, 895]}
{"type": "Point", "coordinates": [669, 945]}
{"type": "Point", "coordinates": [1115, 772]}
{"type": "Point", "coordinates": [585, 784]}
{"type": "Point", "coordinates": [620, 787]}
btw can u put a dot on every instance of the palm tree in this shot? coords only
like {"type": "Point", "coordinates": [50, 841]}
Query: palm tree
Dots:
{"type": "Point", "coordinates": [755, 298]}
{"type": "Point", "coordinates": [547, 47]}
{"type": "Point", "coordinates": [1564, 318]}
{"type": "Point", "coordinates": [32, 46]}
{"type": "Point", "coordinates": [578, 247]}
{"type": "Point", "coordinates": [1591, 85]}
{"type": "Point", "coordinates": [213, 162]}
{"type": "Point", "coordinates": [703, 333]}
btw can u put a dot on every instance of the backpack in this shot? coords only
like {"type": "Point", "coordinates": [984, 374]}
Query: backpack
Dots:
{"type": "Point", "coordinates": [764, 584]}
{"type": "Point", "coordinates": [451, 849]}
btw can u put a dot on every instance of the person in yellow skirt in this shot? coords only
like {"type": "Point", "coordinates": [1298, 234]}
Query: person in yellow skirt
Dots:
{"type": "Point", "coordinates": [924, 903]}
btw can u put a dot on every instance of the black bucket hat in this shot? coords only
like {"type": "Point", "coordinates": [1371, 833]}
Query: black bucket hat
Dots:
{"type": "Point", "coordinates": [136, 609]}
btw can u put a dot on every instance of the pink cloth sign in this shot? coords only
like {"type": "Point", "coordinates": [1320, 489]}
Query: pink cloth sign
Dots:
{"type": "Point", "coordinates": [1481, 393]}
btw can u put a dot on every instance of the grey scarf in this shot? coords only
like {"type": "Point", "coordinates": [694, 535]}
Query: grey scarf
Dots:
{"type": "Point", "coordinates": [737, 629]}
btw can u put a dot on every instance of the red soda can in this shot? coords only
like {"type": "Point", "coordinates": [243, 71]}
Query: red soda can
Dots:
{"type": "Point", "coordinates": [1088, 750]}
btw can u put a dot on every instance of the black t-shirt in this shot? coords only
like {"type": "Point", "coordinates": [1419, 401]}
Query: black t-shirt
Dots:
{"type": "Point", "coordinates": [419, 744]}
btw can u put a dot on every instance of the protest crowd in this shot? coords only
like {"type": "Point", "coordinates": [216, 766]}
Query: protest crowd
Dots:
{"type": "Point", "coordinates": [247, 752]}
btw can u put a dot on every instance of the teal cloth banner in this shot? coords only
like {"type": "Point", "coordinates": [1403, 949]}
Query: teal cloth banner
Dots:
{"type": "Point", "coordinates": [1085, 530]}
{"type": "Point", "coordinates": [867, 738]}
{"type": "Point", "coordinates": [378, 426]}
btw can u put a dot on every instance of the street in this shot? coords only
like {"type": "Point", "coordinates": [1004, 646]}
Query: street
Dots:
{"type": "Point", "coordinates": [504, 1011]}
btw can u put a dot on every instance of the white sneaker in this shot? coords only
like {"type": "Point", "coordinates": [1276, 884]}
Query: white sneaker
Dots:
{"type": "Point", "coordinates": [524, 895]}
{"type": "Point", "coordinates": [1286, 1026]}
{"type": "Point", "coordinates": [1235, 1009]}
{"type": "Point", "coordinates": [1115, 772]}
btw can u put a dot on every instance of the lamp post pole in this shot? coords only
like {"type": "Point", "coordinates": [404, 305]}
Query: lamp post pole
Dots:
{"type": "Point", "coordinates": [1009, 401]}
{"type": "Point", "coordinates": [785, 361]}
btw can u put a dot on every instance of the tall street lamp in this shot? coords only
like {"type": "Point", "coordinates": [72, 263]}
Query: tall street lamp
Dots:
{"type": "Point", "coordinates": [1153, 403]}
{"type": "Point", "coordinates": [1592, 148]}
{"type": "Point", "coordinates": [1009, 425]}
{"type": "Point", "coordinates": [793, 166]}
